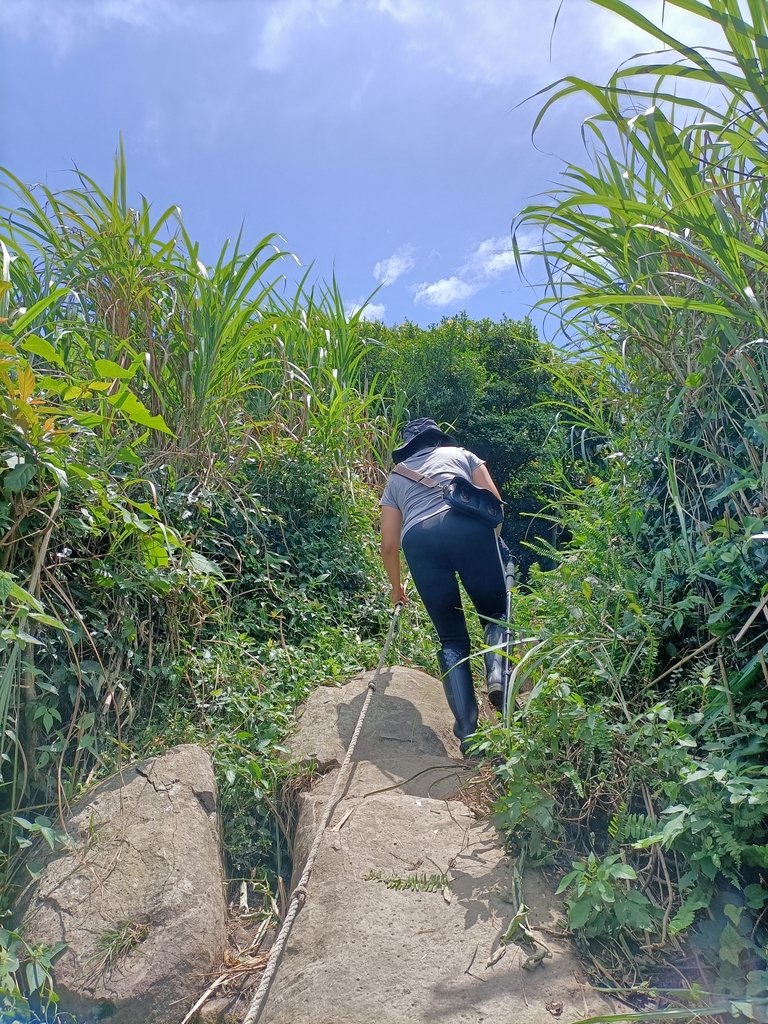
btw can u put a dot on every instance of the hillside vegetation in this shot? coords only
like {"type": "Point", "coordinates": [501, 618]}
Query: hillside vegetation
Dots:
{"type": "Point", "coordinates": [641, 751]}
{"type": "Point", "coordinates": [191, 456]}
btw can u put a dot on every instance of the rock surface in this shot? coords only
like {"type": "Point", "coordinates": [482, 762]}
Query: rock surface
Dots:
{"type": "Point", "coordinates": [139, 896]}
{"type": "Point", "coordinates": [361, 952]}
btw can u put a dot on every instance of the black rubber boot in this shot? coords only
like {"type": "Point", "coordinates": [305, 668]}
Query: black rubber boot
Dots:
{"type": "Point", "coordinates": [459, 692]}
{"type": "Point", "coordinates": [495, 664]}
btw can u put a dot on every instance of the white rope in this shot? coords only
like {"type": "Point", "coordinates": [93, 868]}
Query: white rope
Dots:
{"type": "Point", "coordinates": [300, 892]}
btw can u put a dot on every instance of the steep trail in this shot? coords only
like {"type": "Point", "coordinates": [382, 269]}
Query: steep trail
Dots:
{"type": "Point", "coordinates": [419, 951]}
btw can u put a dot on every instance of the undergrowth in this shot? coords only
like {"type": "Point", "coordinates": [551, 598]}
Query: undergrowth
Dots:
{"type": "Point", "coordinates": [636, 738]}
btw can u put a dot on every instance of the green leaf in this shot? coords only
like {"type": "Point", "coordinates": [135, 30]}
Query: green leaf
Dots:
{"type": "Point", "coordinates": [22, 634]}
{"type": "Point", "coordinates": [732, 945]}
{"type": "Point", "coordinates": [623, 871]}
{"type": "Point", "coordinates": [35, 974]}
{"type": "Point", "coordinates": [755, 1009]}
{"type": "Point", "coordinates": [18, 478]}
{"type": "Point", "coordinates": [60, 475]}
{"type": "Point", "coordinates": [108, 368]}
{"type": "Point", "coordinates": [755, 895]}
{"type": "Point", "coordinates": [756, 856]}
{"type": "Point", "coordinates": [48, 620]}
{"type": "Point", "coordinates": [733, 913]}
{"type": "Point", "coordinates": [203, 566]}
{"type": "Point", "coordinates": [578, 913]}
{"type": "Point", "coordinates": [134, 409]}
{"type": "Point", "coordinates": [155, 551]}
{"type": "Point", "coordinates": [40, 347]}
{"type": "Point", "coordinates": [566, 881]}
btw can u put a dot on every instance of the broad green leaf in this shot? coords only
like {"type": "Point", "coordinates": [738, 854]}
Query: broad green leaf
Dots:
{"type": "Point", "coordinates": [733, 913]}
{"type": "Point", "coordinates": [623, 871]}
{"type": "Point", "coordinates": [40, 347]}
{"type": "Point", "coordinates": [755, 855]}
{"type": "Point", "coordinates": [204, 566]}
{"type": "Point", "coordinates": [108, 368]}
{"type": "Point", "coordinates": [134, 410]}
{"type": "Point", "coordinates": [578, 913]}
{"type": "Point", "coordinates": [755, 895]}
{"type": "Point", "coordinates": [58, 473]}
{"type": "Point", "coordinates": [48, 620]}
{"type": "Point", "coordinates": [19, 478]}
{"type": "Point", "coordinates": [732, 945]}
{"type": "Point", "coordinates": [155, 551]}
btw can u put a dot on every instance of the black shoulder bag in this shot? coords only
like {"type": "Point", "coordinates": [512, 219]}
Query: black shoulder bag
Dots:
{"type": "Point", "coordinates": [462, 495]}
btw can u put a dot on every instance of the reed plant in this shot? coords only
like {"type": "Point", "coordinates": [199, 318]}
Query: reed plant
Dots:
{"type": "Point", "coordinates": [156, 414]}
{"type": "Point", "coordinates": [650, 638]}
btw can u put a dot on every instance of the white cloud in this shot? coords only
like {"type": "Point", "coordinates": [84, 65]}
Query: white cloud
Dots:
{"type": "Point", "coordinates": [492, 257]}
{"type": "Point", "coordinates": [64, 23]}
{"type": "Point", "coordinates": [448, 291]}
{"type": "Point", "coordinates": [288, 20]}
{"type": "Point", "coordinates": [490, 42]}
{"type": "Point", "coordinates": [619, 36]}
{"type": "Point", "coordinates": [372, 310]}
{"type": "Point", "coordinates": [387, 271]}
{"type": "Point", "coordinates": [487, 261]}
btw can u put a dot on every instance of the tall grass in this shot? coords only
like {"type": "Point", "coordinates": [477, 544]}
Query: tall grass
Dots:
{"type": "Point", "coordinates": [145, 395]}
{"type": "Point", "coordinates": [655, 255]}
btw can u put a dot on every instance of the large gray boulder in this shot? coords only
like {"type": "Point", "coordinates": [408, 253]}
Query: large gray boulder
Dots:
{"type": "Point", "coordinates": [432, 947]}
{"type": "Point", "coordinates": [138, 896]}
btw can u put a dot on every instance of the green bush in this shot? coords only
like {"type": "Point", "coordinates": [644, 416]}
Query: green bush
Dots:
{"type": "Point", "coordinates": [488, 381]}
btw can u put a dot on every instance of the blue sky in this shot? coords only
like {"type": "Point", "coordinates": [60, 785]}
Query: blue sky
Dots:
{"type": "Point", "coordinates": [381, 138]}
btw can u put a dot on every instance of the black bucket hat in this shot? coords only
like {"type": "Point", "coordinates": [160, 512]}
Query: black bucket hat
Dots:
{"type": "Point", "coordinates": [420, 433]}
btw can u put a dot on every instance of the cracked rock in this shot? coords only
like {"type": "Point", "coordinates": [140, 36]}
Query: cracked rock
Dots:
{"type": "Point", "coordinates": [138, 896]}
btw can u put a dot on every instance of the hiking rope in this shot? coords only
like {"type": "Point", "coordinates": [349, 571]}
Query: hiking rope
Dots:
{"type": "Point", "coordinates": [300, 892]}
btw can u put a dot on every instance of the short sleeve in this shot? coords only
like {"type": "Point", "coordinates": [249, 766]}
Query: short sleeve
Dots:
{"type": "Point", "coordinates": [474, 461]}
{"type": "Point", "coordinates": [388, 498]}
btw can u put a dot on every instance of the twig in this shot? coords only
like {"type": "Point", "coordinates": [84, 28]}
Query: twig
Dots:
{"type": "Point", "coordinates": [712, 640]}
{"type": "Point", "coordinates": [751, 619]}
{"type": "Point", "coordinates": [727, 688]}
{"type": "Point", "coordinates": [205, 996]}
{"type": "Point", "coordinates": [343, 820]}
{"type": "Point", "coordinates": [469, 966]}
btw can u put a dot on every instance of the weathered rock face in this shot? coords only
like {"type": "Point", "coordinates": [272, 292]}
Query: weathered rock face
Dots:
{"type": "Point", "coordinates": [429, 953]}
{"type": "Point", "coordinates": [139, 897]}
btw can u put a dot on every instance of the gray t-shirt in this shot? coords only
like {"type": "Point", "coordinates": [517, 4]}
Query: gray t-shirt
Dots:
{"type": "Point", "coordinates": [417, 502]}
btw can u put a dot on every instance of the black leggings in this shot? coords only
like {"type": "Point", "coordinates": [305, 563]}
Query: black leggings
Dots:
{"type": "Point", "coordinates": [439, 548]}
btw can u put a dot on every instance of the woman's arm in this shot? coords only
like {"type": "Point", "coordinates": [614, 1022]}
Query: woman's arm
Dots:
{"type": "Point", "coordinates": [391, 522]}
{"type": "Point", "coordinates": [482, 478]}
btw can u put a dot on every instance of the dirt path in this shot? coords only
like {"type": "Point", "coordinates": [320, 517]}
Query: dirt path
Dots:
{"type": "Point", "coordinates": [419, 949]}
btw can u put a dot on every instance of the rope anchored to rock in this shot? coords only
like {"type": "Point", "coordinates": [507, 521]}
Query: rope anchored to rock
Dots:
{"type": "Point", "coordinates": [300, 892]}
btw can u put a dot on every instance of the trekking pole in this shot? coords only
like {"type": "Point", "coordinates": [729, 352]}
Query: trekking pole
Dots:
{"type": "Point", "coordinates": [509, 633]}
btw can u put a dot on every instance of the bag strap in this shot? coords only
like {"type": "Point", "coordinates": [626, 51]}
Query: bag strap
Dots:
{"type": "Point", "coordinates": [420, 478]}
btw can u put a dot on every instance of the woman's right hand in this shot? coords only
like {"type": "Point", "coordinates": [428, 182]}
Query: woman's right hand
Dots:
{"type": "Point", "coordinates": [398, 595]}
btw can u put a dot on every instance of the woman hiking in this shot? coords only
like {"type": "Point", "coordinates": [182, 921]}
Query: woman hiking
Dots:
{"type": "Point", "coordinates": [440, 544]}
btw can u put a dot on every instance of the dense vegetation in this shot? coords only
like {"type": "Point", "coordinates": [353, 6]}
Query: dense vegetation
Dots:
{"type": "Point", "coordinates": [490, 381]}
{"type": "Point", "coordinates": [188, 504]}
{"type": "Point", "coordinates": [187, 513]}
{"type": "Point", "coordinates": [641, 748]}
